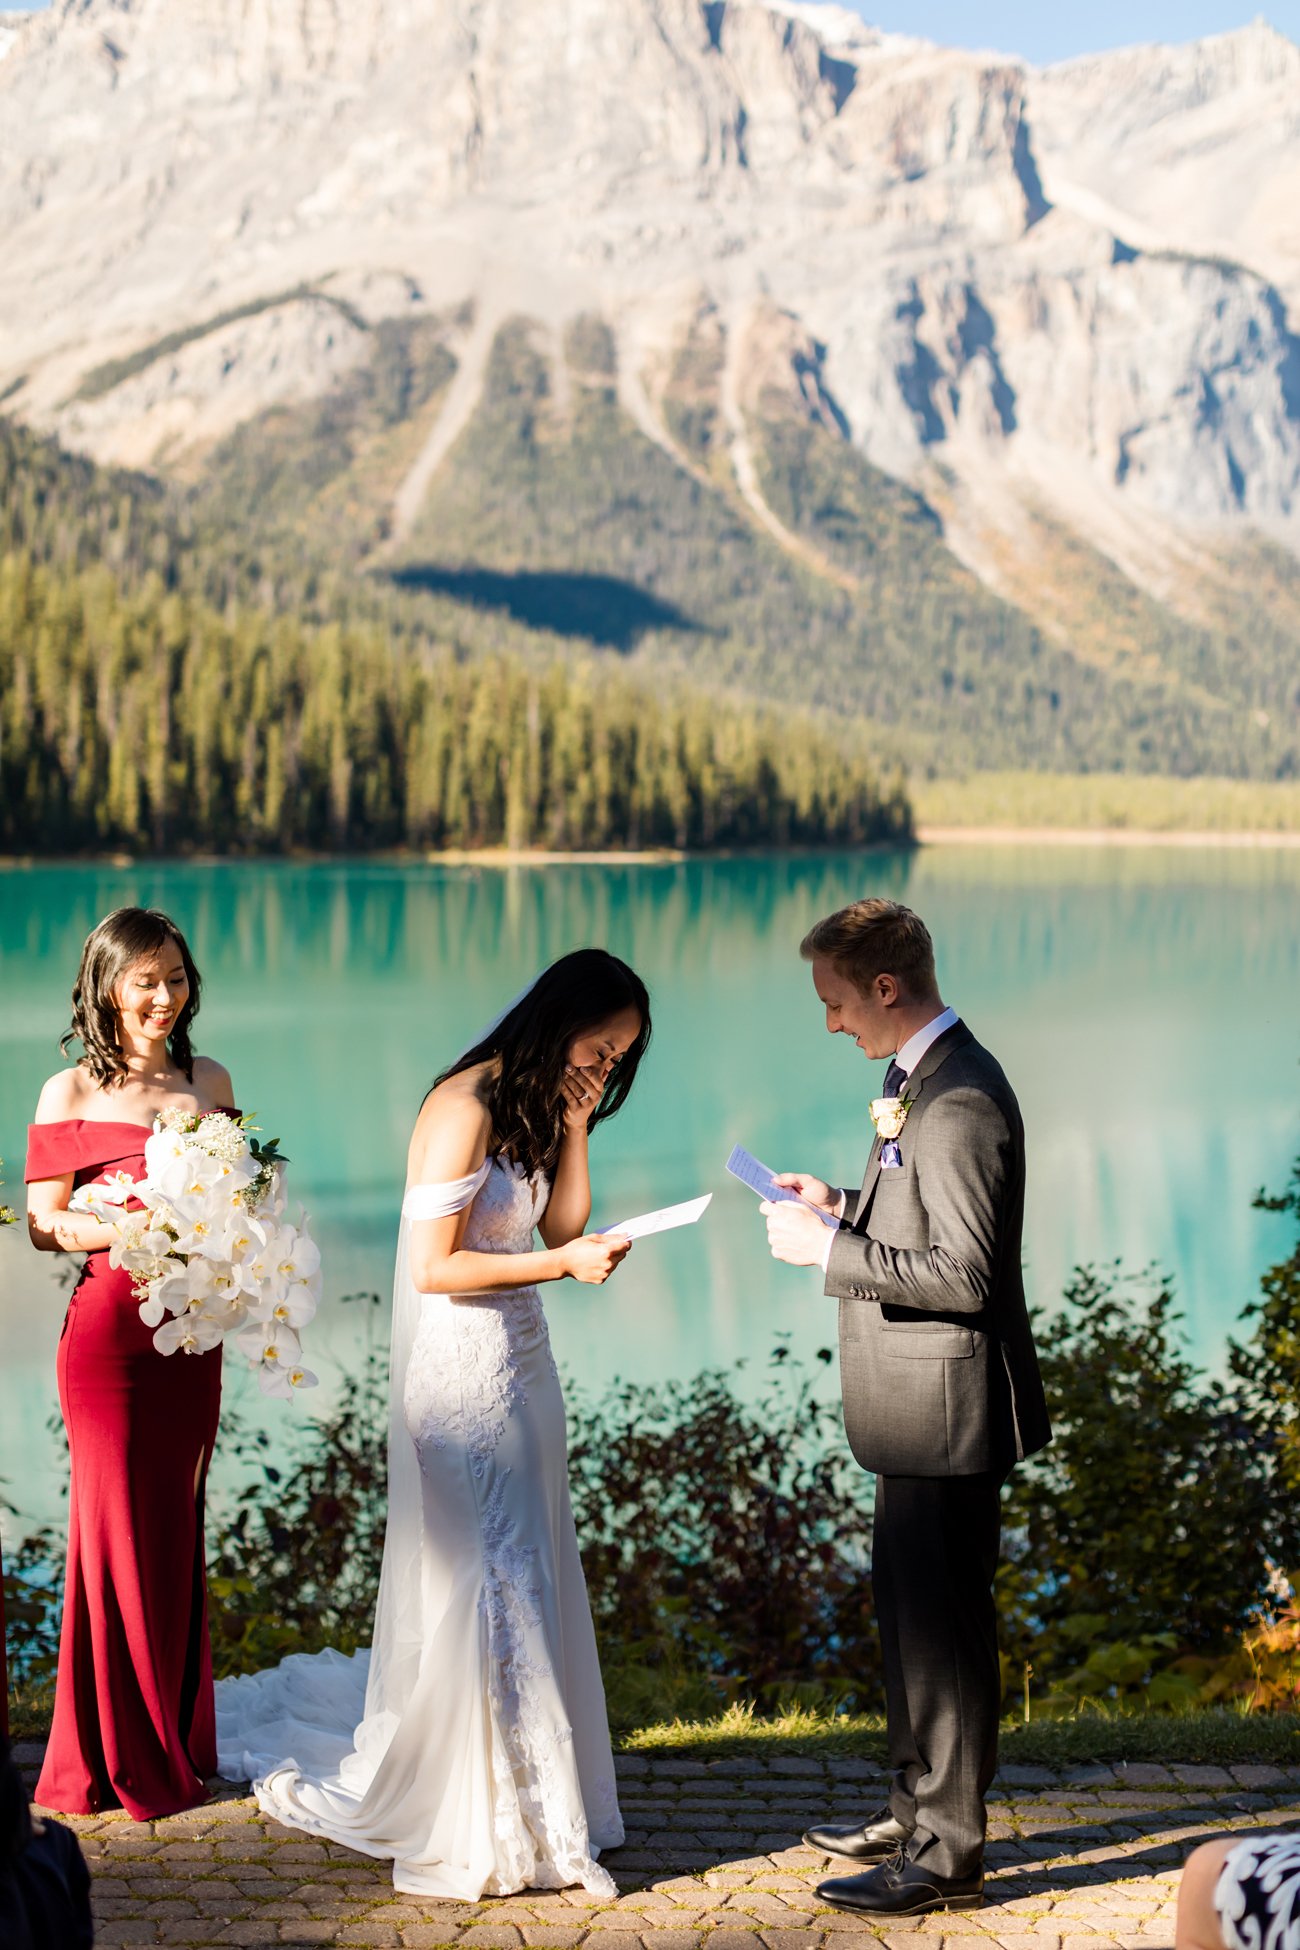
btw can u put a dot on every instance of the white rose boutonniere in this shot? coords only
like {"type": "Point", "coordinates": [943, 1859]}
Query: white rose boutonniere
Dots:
{"type": "Point", "coordinates": [889, 1114]}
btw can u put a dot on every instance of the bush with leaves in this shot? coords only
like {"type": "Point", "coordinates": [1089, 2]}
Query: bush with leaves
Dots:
{"type": "Point", "coordinates": [726, 1540]}
{"type": "Point", "coordinates": [296, 1560]}
{"type": "Point", "coordinates": [1145, 1540]}
{"type": "Point", "coordinates": [1268, 1368]}
{"type": "Point", "coordinates": [725, 1545]}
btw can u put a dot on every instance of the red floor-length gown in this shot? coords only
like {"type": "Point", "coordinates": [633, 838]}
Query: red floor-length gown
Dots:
{"type": "Point", "coordinates": [133, 1713]}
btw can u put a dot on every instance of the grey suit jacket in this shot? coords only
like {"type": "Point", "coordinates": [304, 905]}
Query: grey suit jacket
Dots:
{"type": "Point", "coordinates": [937, 1360]}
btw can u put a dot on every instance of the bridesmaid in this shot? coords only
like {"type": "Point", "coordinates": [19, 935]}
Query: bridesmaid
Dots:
{"type": "Point", "coordinates": [133, 1712]}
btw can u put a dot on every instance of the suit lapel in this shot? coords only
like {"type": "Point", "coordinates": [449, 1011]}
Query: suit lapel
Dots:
{"type": "Point", "coordinates": [936, 1056]}
{"type": "Point", "coordinates": [870, 1181]}
{"type": "Point", "coordinates": [939, 1051]}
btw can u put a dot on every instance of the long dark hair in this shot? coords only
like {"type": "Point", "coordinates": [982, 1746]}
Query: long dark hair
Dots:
{"type": "Point", "coordinates": [569, 999]}
{"type": "Point", "coordinates": [126, 936]}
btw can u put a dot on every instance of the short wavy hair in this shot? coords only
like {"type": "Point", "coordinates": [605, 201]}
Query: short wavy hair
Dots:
{"type": "Point", "coordinates": [875, 937]}
{"type": "Point", "coordinates": [126, 936]}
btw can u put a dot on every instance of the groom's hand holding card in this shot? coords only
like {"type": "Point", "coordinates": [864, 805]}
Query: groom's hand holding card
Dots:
{"type": "Point", "coordinates": [802, 1212]}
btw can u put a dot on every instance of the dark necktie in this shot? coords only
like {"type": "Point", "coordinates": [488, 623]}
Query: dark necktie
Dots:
{"type": "Point", "coordinates": [895, 1080]}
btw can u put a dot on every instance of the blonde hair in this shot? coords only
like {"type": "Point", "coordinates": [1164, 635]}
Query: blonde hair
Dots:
{"type": "Point", "coordinates": [876, 937]}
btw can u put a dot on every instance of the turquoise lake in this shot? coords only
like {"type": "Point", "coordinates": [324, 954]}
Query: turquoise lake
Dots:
{"type": "Point", "coordinates": [1143, 1002]}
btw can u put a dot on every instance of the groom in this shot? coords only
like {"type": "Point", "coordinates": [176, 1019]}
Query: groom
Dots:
{"type": "Point", "coordinates": [941, 1388]}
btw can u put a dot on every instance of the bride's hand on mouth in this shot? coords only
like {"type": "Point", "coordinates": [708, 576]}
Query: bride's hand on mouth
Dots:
{"type": "Point", "coordinates": [583, 1090]}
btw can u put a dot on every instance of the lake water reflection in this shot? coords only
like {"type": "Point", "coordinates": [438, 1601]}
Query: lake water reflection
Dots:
{"type": "Point", "coordinates": [1142, 1001]}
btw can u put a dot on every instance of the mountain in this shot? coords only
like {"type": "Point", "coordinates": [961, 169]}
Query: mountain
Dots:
{"type": "Point", "coordinates": [883, 376]}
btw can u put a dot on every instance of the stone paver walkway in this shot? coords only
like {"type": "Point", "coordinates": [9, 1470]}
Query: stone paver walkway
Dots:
{"type": "Point", "coordinates": [1079, 1860]}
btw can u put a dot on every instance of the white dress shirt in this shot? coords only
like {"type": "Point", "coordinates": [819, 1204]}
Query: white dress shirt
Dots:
{"type": "Point", "coordinates": [915, 1047]}
{"type": "Point", "coordinates": [907, 1059]}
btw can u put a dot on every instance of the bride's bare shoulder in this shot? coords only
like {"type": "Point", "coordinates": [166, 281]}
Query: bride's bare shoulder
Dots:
{"type": "Point", "coordinates": [451, 1133]}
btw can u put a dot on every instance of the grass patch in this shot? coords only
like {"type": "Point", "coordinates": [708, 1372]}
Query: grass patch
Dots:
{"type": "Point", "coordinates": [1210, 1738]}
{"type": "Point", "coordinates": [1109, 802]}
{"type": "Point", "coordinates": [30, 1711]}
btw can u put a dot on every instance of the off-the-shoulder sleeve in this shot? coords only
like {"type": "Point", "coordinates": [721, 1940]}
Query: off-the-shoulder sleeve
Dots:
{"type": "Point", "coordinates": [77, 1144]}
{"type": "Point", "coordinates": [440, 1201]}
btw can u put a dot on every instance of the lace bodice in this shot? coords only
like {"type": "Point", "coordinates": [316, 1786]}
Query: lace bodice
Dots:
{"type": "Point", "coordinates": [464, 1375]}
{"type": "Point", "coordinates": [505, 1210]}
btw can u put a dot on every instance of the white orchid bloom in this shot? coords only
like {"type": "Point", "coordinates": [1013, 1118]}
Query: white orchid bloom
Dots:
{"type": "Point", "coordinates": [104, 1195]}
{"type": "Point", "coordinates": [148, 1272]}
{"type": "Point", "coordinates": [160, 1150]}
{"type": "Point", "coordinates": [173, 1290]}
{"type": "Point", "coordinates": [222, 1294]}
{"type": "Point", "coordinates": [202, 1219]}
{"type": "Point", "coordinates": [200, 1237]}
{"type": "Point", "coordinates": [152, 1310]}
{"type": "Point", "coordinates": [230, 1182]}
{"type": "Point", "coordinates": [294, 1309]}
{"type": "Point", "coordinates": [228, 1316]}
{"type": "Point", "coordinates": [131, 1229]}
{"type": "Point", "coordinates": [188, 1176]}
{"type": "Point", "coordinates": [270, 1340]}
{"type": "Point", "coordinates": [286, 1381]}
{"type": "Point", "coordinates": [256, 1267]}
{"type": "Point", "coordinates": [245, 1235]}
{"type": "Point", "coordinates": [188, 1333]}
{"type": "Point", "coordinates": [199, 1285]}
{"type": "Point", "coordinates": [145, 1249]}
{"type": "Point", "coordinates": [297, 1265]}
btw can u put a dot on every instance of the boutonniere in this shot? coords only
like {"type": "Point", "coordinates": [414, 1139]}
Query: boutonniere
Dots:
{"type": "Point", "coordinates": [889, 1114]}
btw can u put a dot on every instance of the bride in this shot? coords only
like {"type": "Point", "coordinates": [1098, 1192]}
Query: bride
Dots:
{"type": "Point", "coordinates": [470, 1743]}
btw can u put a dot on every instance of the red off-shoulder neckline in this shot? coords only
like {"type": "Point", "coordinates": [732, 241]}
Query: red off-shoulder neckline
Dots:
{"type": "Point", "coordinates": [122, 1123]}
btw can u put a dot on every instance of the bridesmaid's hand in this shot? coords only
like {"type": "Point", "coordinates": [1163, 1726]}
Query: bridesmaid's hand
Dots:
{"type": "Point", "coordinates": [593, 1258]}
{"type": "Point", "coordinates": [583, 1090]}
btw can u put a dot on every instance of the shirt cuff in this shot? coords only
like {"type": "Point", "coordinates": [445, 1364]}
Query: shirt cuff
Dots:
{"type": "Point", "coordinates": [826, 1250]}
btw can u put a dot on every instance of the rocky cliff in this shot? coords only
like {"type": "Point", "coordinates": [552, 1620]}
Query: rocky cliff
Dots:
{"type": "Point", "coordinates": [1054, 303]}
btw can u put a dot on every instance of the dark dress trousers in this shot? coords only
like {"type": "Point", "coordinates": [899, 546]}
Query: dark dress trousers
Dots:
{"type": "Point", "coordinates": [942, 1397]}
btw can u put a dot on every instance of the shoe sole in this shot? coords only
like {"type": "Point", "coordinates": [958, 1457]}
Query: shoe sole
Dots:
{"type": "Point", "coordinates": [917, 1909]}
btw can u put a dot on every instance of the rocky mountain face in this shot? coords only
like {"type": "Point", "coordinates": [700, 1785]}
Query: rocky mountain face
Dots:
{"type": "Point", "coordinates": [1056, 304]}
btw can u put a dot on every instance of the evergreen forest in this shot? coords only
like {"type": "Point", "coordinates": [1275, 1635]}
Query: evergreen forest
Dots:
{"type": "Point", "coordinates": [135, 712]}
{"type": "Point", "coordinates": [579, 638]}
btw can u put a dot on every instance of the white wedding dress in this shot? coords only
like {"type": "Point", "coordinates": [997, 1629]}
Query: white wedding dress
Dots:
{"type": "Point", "coordinates": [470, 1744]}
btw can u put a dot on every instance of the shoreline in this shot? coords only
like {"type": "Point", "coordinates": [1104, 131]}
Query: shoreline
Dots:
{"type": "Point", "coordinates": [1100, 836]}
{"type": "Point", "coordinates": [508, 857]}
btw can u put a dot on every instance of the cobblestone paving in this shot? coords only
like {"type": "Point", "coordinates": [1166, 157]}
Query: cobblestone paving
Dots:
{"type": "Point", "coordinates": [1077, 1860]}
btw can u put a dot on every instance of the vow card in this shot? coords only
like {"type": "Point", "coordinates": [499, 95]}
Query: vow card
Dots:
{"type": "Point", "coordinates": [744, 1165]}
{"type": "Point", "coordinates": [665, 1220]}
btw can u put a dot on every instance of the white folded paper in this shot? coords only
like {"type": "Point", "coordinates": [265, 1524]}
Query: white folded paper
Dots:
{"type": "Point", "coordinates": [668, 1217]}
{"type": "Point", "coordinates": [745, 1166]}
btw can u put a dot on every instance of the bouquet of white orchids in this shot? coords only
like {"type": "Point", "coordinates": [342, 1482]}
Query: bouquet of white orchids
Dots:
{"type": "Point", "coordinates": [211, 1254]}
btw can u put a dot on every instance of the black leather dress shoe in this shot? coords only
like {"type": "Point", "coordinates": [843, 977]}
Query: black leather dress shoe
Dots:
{"type": "Point", "coordinates": [902, 1888]}
{"type": "Point", "coordinates": [872, 1840]}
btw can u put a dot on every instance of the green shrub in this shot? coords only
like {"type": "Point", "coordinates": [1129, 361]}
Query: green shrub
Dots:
{"type": "Point", "coordinates": [726, 1540]}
